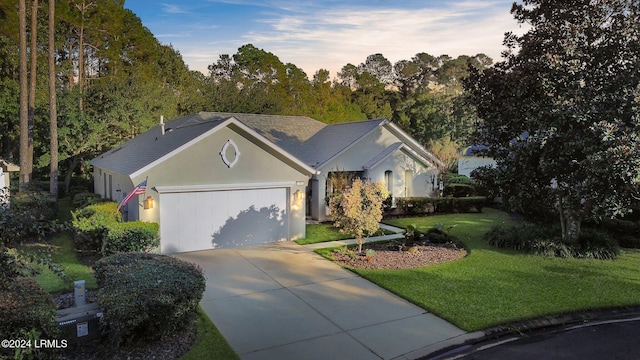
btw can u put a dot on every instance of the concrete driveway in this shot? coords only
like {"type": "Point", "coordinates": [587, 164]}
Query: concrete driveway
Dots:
{"type": "Point", "coordinates": [282, 301]}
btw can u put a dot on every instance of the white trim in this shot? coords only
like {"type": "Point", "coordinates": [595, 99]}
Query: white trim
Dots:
{"type": "Point", "coordinates": [230, 120]}
{"type": "Point", "coordinates": [223, 153]}
{"type": "Point", "coordinates": [406, 149]}
{"type": "Point", "coordinates": [413, 143]}
{"type": "Point", "coordinates": [222, 187]}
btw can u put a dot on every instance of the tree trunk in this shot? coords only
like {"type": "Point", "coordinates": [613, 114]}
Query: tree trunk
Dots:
{"type": "Point", "coordinates": [570, 221]}
{"type": "Point", "coordinates": [67, 179]}
{"type": "Point", "coordinates": [32, 81]}
{"type": "Point", "coordinates": [53, 113]}
{"type": "Point", "coordinates": [25, 176]}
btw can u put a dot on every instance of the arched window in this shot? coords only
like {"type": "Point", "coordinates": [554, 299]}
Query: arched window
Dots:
{"type": "Point", "coordinates": [388, 180]}
{"type": "Point", "coordinates": [408, 183]}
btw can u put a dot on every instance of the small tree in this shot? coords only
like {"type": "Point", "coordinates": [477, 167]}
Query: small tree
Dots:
{"type": "Point", "coordinates": [358, 210]}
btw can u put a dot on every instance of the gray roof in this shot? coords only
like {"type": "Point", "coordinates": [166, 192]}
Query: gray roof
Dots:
{"type": "Point", "coordinates": [309, 140]}
{"type": "Point", "coordinates": [288, 132]}
{"type": "Point", "coordinates": [152, 145]}
{"type": "Point", "coordinates": [333, 139]}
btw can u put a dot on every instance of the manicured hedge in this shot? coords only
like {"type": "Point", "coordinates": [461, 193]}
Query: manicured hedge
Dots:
{"type": "Point", "coordinates": [91, 224]}
{"type": "Point", "coordinates": [444, 205]}
{"type": "Point", "coordinates": [146, 296]}
{"type": "Point", "coordinates": [99, 228]}
{"type": "Point", "coordinates": [130, 236]}
{"type": "Point", "coordinates": [459, 190]}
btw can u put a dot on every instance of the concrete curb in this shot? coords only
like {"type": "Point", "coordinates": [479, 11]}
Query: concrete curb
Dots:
{"type": "Point", "coordinates": [459, 345]}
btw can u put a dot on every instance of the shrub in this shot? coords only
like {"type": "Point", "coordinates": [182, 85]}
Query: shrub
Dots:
{"type": "Point", "coordinates": [84, 199]}
{"type": "Point", "coordinates": [459, 190]}
{"type": "Point", "coordinates": [453, 178]}
{"type": "Point", "coordinates": [99, 228]}
{"type": "Point", "coordinates": [595, 244]}
{"type": "Point", "coordinates": [486, 183]}
{"type": "Point", "coordinates": [130, 236]}
{"type": "Point", "coordinates": [91, 224]}
{"type": "Point", "coordinates": [25, 306]}
{"type": "Point", "coordinates": [20, 227]}
{"type": "Point", "coordinates": [538, 240]}
{"type": "Point", "coordinates": [629, 242]}
{"type": "Point", "coordinates": [445, 205]}
{"type": "Point", "coordinates": [40, 205]}
{"type": "Point", "coordinates": [147, 296]}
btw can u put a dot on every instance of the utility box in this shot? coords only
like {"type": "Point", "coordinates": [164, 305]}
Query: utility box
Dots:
{"type": "Point", "coordinates": [80, 323]}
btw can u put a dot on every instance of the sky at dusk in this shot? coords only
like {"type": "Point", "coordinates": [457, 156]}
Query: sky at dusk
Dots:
{"type": "Point", "coordinates": [326, 33]}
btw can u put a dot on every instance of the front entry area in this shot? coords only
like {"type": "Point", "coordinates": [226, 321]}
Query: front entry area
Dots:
{"type": "Point", "coordinates": [201, 220]}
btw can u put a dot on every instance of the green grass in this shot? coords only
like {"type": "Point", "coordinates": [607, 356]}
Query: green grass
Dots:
{"type": "Point", "coordinates": [65, 255]}
{"type": "Point", "coordinates": [317, 233]}
{"type": "Point", "coordinates": [210, 344]}
{"type": "Point", "coordinates": [493, 286]}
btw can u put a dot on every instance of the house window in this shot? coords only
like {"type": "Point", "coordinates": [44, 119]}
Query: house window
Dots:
{"type": "Point", "coordinates": [388, 180]}
{"type": "Point", "coordinates": [338, 181]}
{"type": "Point", "coordinates": [104, 185]}
{"type": "Point", "coordinates": [408, 183]}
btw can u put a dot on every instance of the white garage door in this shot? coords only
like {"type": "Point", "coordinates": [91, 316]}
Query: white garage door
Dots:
{"type": "Point", "coordinates": [191, 221]}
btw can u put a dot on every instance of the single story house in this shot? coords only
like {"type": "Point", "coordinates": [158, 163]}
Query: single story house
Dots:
{"type": "Point", "coordinates": [5, 183]}
{"type": "Point", "coordinates": [470, 160]}
{"type": "Point", "coordinates": [229, 179]}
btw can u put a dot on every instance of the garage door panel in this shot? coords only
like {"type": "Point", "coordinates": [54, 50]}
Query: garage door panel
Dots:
{"type": "Point", "coordinates": [216, 219]}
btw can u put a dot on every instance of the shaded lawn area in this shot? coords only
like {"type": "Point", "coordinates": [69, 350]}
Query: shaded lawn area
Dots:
{"type": "Point", "coordinates": [492, 286]}
{"type": "Point", "coordinates": [65, 255]}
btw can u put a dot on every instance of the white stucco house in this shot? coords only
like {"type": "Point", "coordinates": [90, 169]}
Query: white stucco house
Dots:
{"type": "Point", "coordinates": [5, 183]}
{"type": "Point", "coordinates": [470, 160]}
{"type": "Point", "coordinates": [227, 179]}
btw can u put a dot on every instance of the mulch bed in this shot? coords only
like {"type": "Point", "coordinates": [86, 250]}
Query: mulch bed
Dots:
{"type": "Point", "coordinates": [393, 256]}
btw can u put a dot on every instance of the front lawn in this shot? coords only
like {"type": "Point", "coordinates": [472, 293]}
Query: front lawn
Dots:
{"type": "Point", "coordinates": [493, 286]}
{"type": "Point", "coordinates": [317, 233]}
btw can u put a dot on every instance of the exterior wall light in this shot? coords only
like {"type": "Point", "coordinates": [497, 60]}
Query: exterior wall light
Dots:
{"type": "Point", "coordinates": [148, 203]}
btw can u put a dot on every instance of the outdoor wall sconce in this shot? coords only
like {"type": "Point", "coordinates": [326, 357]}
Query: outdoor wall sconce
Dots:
{"type": "Point", "coordinates": [298, 195]}
{"type": "Point", "coordinates": [148, 203]}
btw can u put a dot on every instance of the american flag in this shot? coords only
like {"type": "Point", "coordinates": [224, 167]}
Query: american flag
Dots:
{"type": "Point", "coordinates": [138, 190]}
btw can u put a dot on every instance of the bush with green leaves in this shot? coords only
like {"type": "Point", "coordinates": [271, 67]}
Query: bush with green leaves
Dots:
{"type": "Point", "coordinates": [19, 226]}
{"type": "Point", "coordinates": [40, 205]}
{"type": "Point", "coordinates": [146, 296]}
{"type": "Point", "coordinates": [130, 236]}
{"type": "Point", "coordinates": [458, 185]}
{"type": "Point", "coordinates": [444, 205]}
{"type": "Point", "coordinates": [91, 224]}
{"type": "Point", "coordinates": [459, 190]}
{"type": "Point", "coordinates": [539, 240]}
{"type": "Point", "coordinates": [25, 306]}
{"type": "Point", "coordinates": [84, 199]}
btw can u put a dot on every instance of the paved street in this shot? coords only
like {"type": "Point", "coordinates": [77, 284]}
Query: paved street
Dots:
{"type": "Point", "coordinates": [616, 339]}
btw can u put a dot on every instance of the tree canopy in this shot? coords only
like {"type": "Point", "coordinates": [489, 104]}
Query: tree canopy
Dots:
{"type": "Point", "coordinates": [560, 114]}
{"type": "Point", "coordinates": [113, 80]}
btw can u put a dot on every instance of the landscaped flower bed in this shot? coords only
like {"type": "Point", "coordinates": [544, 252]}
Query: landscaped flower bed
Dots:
{"type": "Point", "coordinates": [390, 256]}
